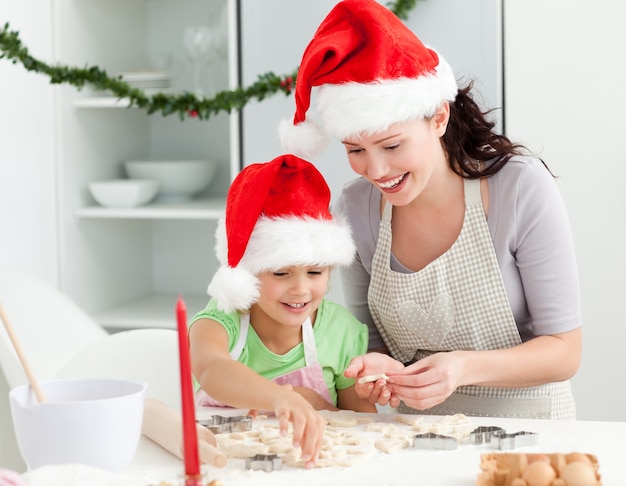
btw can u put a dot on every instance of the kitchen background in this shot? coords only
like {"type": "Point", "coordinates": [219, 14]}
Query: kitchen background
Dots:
{"type": "Point", "coordinates": [552, 69]}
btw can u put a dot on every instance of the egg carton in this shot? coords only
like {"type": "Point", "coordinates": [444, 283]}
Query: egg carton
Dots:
{"type": "Point", "coordinates": [520, 469]}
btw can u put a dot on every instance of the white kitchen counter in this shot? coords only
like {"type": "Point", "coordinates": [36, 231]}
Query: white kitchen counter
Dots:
{"type": "Point", "coordinates": [459, 467]}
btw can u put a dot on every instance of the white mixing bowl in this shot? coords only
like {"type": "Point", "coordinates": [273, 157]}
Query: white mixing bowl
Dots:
{"type": "Point", "coordinates": [179, 179]}
{"type": "Point", "coordinates": [91, 421]}
{"type": "Point", "coordinates": [124, 193]}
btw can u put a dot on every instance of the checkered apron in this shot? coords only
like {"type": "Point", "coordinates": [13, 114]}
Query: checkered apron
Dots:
{"type": "Point", "coordinates": [457, 302]}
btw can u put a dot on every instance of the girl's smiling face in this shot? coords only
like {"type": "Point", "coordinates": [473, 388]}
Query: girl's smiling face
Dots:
{"type": "Point", "coordinates": [400, 161]}
{"type": "Point", "coordinates": [291, 294]}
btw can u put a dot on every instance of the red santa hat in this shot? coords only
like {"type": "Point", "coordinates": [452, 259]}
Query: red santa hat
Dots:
{"type": "Point", "coordinates": [277, 215]}
{"type": "Point", "coordinates": [372, 72]}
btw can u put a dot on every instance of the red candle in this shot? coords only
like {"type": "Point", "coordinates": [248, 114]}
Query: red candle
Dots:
{"type": "Point", "coordinates": [190, 434]}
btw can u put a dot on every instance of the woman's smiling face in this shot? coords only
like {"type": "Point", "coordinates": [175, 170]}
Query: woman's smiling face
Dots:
{"type": "Point", "coordinates": [399, 161]}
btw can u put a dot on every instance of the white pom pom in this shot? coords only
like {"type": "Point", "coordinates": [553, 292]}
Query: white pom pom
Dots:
{"type": "Point", "coordinates": [234, 289]}
{"type": "Point", "coordinates": [303, 140]}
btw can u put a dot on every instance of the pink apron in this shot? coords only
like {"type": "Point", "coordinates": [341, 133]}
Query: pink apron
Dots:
{"type": "Point", "coordinates": [310, 376]}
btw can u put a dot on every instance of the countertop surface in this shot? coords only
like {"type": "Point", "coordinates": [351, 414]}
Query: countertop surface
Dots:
{"type": "Point", "coordinates": [153, 465]}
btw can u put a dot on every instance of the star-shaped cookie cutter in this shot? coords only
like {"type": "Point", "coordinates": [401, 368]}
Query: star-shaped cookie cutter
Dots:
{"type": "Point", "coordinates": [434, 442]}
{"type": "Point", "coordinates": [511, 441]}
{"type": "Point", "coordinates": [218, 424]}
{"type": "Point", "coordinates": [483, 434]}
{"type": "Point", "coordinates": [264, 462]}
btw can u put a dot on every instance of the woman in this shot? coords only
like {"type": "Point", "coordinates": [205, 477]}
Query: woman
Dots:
{"type": "Point", "coordinates": [465, 270]}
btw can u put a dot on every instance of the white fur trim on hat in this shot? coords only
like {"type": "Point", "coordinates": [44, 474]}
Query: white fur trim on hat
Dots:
{"type": "Point", "coordinates": [351, 108]}
{"type": "Point", "coordinates": [305, 140]}
{"type": "Point", "coordinates": [288, 241]}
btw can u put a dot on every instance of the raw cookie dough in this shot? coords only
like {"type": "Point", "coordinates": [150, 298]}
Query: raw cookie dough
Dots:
{"type": "Point", "coordinates": [410, 419]}
{"type": "Point", "coordinates": [368, 378]}
{"type": "Point", "coordinates": [340, 418]}
{"type": "Point", "coordinates": [349, 437]}
{"type": "Point", "coordinates": [390, 445]}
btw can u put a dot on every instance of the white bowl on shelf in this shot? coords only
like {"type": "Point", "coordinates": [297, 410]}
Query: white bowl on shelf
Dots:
{"type": "Point", "coordinates": [180, 179]}
{"type": "Point", "coordinates": [124, 193]}
{"type": "Point", "coordinates": [92, 421]}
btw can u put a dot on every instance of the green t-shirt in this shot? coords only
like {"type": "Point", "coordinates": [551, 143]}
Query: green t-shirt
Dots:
{"type": "Point", "coordinates": [339, 337]}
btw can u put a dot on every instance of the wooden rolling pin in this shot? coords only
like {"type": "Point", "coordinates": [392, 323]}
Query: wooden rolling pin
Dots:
{"type": "Point", "coordinates": [164, 425]}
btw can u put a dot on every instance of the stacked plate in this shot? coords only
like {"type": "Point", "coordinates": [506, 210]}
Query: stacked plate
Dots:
{"type": "Point", "coordinates": [149, 81]}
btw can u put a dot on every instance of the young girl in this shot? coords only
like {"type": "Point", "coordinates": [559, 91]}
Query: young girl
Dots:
{"type": "Point", "coordinates": [466, 270]}
{"type": "Point", "coordinates": [268, 340]}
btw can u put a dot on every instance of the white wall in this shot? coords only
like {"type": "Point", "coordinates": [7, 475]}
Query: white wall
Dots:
{"type": "Point", "coordinates": [27, 172]}
{"type": "Point", "coordinates": [27, 197]}
{"type": "Point", "coordinates": [565, 80]}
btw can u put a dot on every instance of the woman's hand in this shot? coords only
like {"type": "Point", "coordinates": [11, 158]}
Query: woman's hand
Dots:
{"type": "Point", "coordinates": [377, 392]}
{"type": "Point", "coordinates": [308, 424]}
{"type": "Point", "coordinates": [429, 381]}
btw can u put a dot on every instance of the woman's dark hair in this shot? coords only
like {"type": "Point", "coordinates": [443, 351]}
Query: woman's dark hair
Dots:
{"type": "Point", "coordinates": [470, 138]}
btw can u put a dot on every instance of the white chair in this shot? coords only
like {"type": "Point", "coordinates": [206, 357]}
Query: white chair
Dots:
{"type": "Point", "coordinates": [146, 355]}
{"type": "Point", "coordinates": [50, 327]}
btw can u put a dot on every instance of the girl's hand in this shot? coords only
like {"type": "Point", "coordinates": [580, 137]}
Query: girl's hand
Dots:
{"type": "Point", "coordinates": [377, 392]}
{"type": "Point", "coordinates": [317, 401]}
{"type": "Point", "coordinates": [429, 381]}
{"type": "Point", "coordinates": [308, 424]}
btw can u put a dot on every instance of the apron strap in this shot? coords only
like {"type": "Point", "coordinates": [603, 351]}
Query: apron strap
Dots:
{"type": "Point", "coordinates": [387, 208]}
{"type": "Point", "coordinates": [244, 324]}
{"type": "Point", "coordinates": [308, 340]}
{"type": "Point", "coordinates": [472, 192]}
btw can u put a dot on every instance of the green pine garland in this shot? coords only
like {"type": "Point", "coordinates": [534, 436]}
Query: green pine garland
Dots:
{"type": "Point", "coordinates": [185, 104]}
{"type": "Point", "coordinates": [402, 8]}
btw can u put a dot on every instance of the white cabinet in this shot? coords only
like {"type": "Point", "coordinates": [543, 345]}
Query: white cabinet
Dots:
{"type": "Point", "coordinates": [127, 266]}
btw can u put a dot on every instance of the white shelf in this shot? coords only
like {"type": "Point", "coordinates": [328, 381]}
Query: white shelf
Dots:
{"type": "Point", "coordinates": [102, 102]}
{"type": "Point", "coordinates": [164, 247]}
{"type": "Point", "coordinates": [152, 311]}
{"type": "Point", "coordinates": [207, 209]}
{"type": "Point", "coordinates": [110, 101]}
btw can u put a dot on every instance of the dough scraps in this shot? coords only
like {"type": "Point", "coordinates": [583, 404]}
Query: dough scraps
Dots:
{"type": "Point", "coordinates": [369, 378]}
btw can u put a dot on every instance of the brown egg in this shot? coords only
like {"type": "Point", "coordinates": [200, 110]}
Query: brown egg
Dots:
{"type": "Point", "coordinates": [538, 473]}
{"type": "Point", "coordinates": [579, 474]}
{"type": "Point", "coordinates": [538, 457]}
{"type": "Point", "coordinates": [577, 457]}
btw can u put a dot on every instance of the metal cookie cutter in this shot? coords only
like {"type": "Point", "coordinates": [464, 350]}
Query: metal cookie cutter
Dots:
{"type": "Point", "coordinates": [264, 462]}
{"type": "Point", "coordinates": [511, 441]}
{"type": "Point", "coordinates": [219, 424]}
{"type": "Point", "coordinates": [483, 434]}
{"type": "Point", "coordinates": [434, 442]}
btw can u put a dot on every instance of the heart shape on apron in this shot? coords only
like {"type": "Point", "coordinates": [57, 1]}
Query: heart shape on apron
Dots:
{"type": "Point", "coordinates": [432, 326]}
